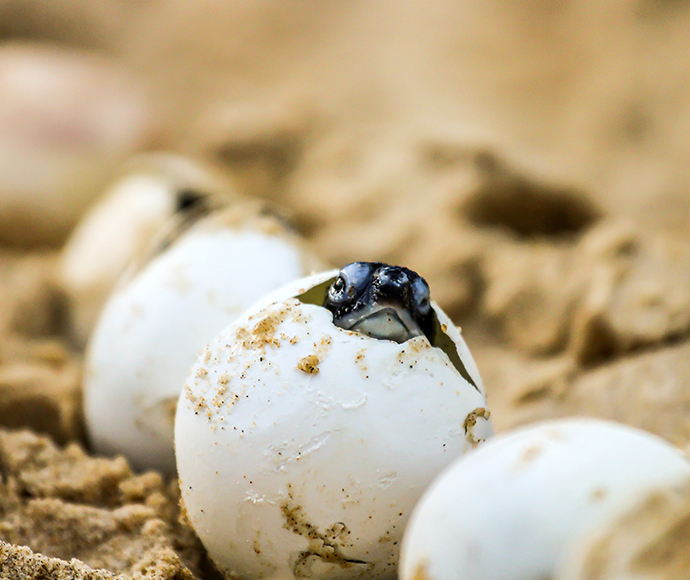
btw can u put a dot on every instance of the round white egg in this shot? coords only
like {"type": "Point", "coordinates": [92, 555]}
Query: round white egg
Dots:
{"type": "Point", "coordinates": [302, 447]}
{"type": "Point", "coordinates": [508, 510]}
{"type": "Point", "coordinates": [152, 328]}
{"type": "Point", "coordinates": [646, 541]}
{"type": "Point", "coordinates": [121, 226]}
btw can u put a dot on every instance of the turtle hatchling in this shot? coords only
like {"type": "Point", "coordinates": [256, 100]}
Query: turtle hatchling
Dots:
{"type": "Point", "coordinates": [308, 429]}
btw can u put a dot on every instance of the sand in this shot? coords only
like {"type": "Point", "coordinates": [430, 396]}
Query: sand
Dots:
{"type": "Point", "coordinates": [529, 159]}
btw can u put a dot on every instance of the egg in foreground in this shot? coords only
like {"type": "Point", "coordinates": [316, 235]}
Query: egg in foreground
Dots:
{"type": "Point", "coordinates": [649, 540]}
{"type": "Point", "coordinates": [152, 328]}
{"type": "Point", "coordinates": [302, 447]}
{"type": "Point", "coordinates": [509, 510]}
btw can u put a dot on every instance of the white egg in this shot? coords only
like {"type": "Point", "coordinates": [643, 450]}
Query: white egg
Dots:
{"type": "Point", "coordinates": [152, 328]}
{"type": "Point", "coordinates": [139, 201]}
{"type": "Point", "coordinates": [508, 510]}
{"type": "Point", "coordinates": [302, 447]}
{"type": "Point", "coordinates": [647, 541]}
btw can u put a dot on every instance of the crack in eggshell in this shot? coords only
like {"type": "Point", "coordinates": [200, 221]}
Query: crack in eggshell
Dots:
{"type": "Point", "coordinates": [283, 455]}
{"type": "Point", "coordinates": [324, 546]}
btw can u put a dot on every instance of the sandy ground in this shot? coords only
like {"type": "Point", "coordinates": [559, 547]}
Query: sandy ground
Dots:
{"type": "Point", "coordinates": [528, 158]}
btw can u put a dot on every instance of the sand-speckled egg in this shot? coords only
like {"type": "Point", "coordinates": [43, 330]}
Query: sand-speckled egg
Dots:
{"type": "Point", "coordinates": [302, 447]}
{"type": "Point", "coordinates": [152, 327]}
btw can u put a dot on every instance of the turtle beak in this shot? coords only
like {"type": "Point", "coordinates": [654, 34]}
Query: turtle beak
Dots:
{"type": "Point", "coordinates": [388, 322]}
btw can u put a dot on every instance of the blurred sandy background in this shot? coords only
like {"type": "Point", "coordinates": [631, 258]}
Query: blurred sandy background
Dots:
{"type": "Point", "coordinates": [530, 158]}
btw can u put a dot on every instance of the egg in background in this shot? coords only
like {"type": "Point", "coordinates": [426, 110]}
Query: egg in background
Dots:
{"type": "Point", "coordinates": [153, 326]}
{"type": "Point", "coordinates": [136, 208]}
{"type": "Point", "coordinates": [511, 509]}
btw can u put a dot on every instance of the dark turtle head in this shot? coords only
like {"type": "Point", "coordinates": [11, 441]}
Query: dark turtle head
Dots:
{"type": "Point", "coordinates": [386, 302]}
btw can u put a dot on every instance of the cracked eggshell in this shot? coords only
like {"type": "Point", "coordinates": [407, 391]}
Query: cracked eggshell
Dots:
{"type": "Point", "coordinates": [509, 510]}
{"type": "Point", "coordinates": [302, 447]}
{"type": "Point", "coordinates": [152, 328]}
{"type": "Point", "coordinates": [140, 200]}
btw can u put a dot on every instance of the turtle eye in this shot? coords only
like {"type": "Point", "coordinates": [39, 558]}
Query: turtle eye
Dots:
{"type": "Point", "coordinates": [356, 275]}
{"type": "Point", "coordinates": [337, 292]}
{"type": "Point", "coordinates": [350, 282]}
{"type": "Point", "coordinates": [420, 295]}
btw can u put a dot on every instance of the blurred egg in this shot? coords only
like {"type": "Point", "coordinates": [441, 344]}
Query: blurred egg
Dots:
{"type": "Point", "coordinates": [650, 540]}
{"type": "Point", "coordinates": [139, 201]}
{"type": "Point", "coordinates": [510, 509]}
{"type": "Point", "coordinates": [152, 327]}
{"type": "Point", "coordinates": [67, 118]}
